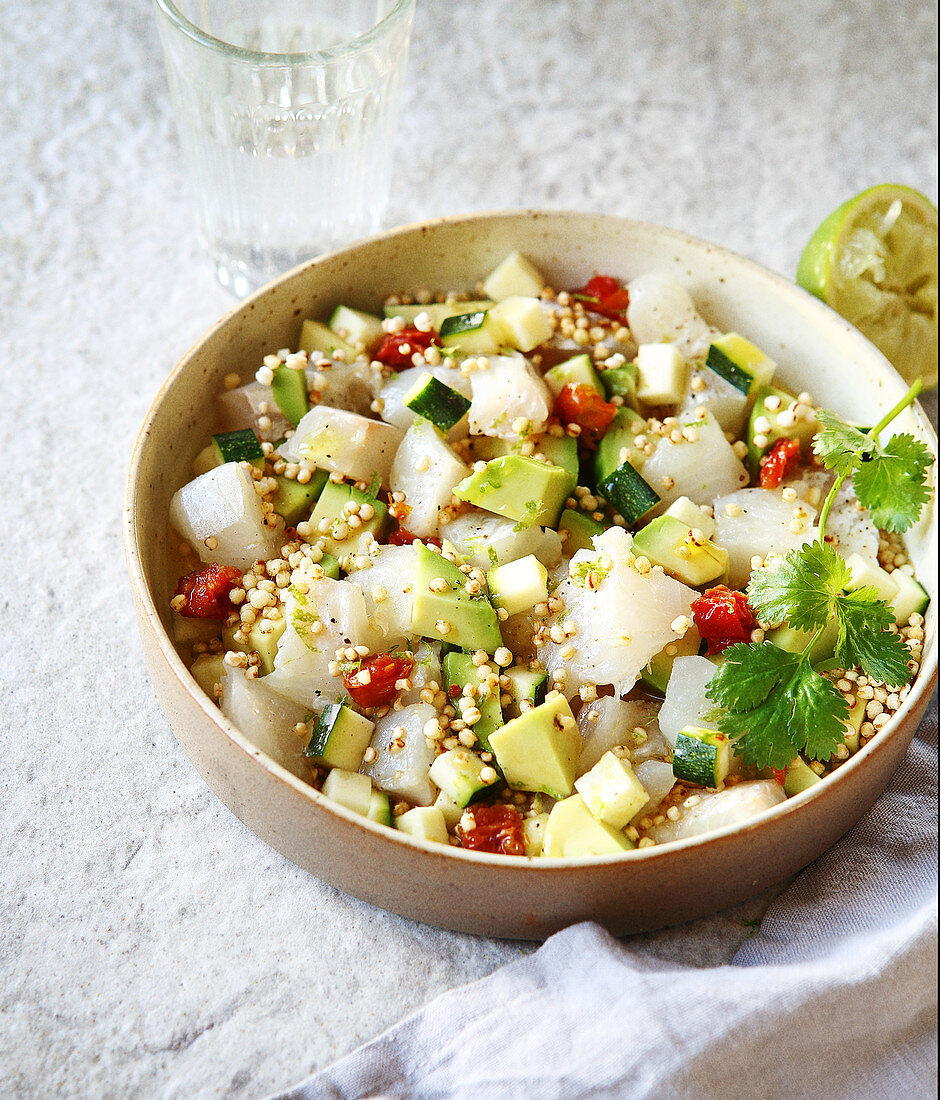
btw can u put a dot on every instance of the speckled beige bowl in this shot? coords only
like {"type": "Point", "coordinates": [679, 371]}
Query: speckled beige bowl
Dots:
{"type": "Point", "coordinates": [468, 891]}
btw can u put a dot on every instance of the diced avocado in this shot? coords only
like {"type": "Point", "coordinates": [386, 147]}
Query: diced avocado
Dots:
{"type": "Point", "coordinates": [911, 597]}
{"type": "Point", "coordinates": [380, 809]}
{"type": "Point", "coordinates": [533, 834]}
{"type": "Point", "coordinates": [573, 831]}
{"type": "Point", "coordinates": [424, 823]}
{"type": "Point", "coordinates": [795, 641]}
{"type": "Point", "coordinates": [518, 585]}
{"type": "Point", "coordinates": [317, 338]}
{"type": "Point", "coordinates": [701, 756]}
{"type": "Point", "coordinates": [662, 374]}
{"type": "Point", "coordinates": [349, 789]}
{"type": "Point", "coordinates": [458, 773]}
{"type": "Point", "coordinates": [539, 750]}
{"type": "Point", "coordinates": [207, 671]}
{"type": "Point", "coordinates": [668, 542]}
{"type": "Point", "coordinates": [657, 672]}
{"type": "Point", "coordinates": [333, 497]}
{"type": "Point", "coordinates": [618, 444]}
{"type": "Point", "coordinates": [459, 670]}
{"type": "Point", "coordinates": [436, 401]}
{"type": "Point", "coordinates": [470, 621]}
{"type": "Point", "coordinates": [238, 446]}
{"type": "Point", "coordinates": [294, 499]}
{"type": "Point", "coordinates": [800, 777]}
{"type": "Point", "coordinates": [629, 494]}
{"type": "Point", "coordinates": [206, 460]}
{"type": "Point", "coordinates": [869, 574]}
{"type": "Point", "coordinates": [522, 322]}
{"type": "Point", "coordinates": [560, 450]}
{"type": "Point", "coordinates": [577, 530]}
{"type": "Point", "coordinates": [473, 333]}
{"type": "Point", "coordinates": [289, 390]}
{"type": "Point", "coordinates": [611, 791]}
{"type": "Point", "coordinates": [515, 275]}
{"type": "Point", "coordinates": [263, 636]}
{"type": "Point", "coordinates": [526, 685]}
{"type": "Point", "coordinates": [579, 370]}
{"type": "Point", "coordinates": [519, 488]}
{"type": "Point", "coordinates": [340, 737]}
{"type": "Point", "coordinates": [740, 363]}
{"type": "Point", "coordinates": [356, 327]}
{"type": "Point", "coordinates": [692, 516]}
{"type": "Point", "coordinates": [451, 811]}
{"type": "Point", "coordinates": [621, 382]}
{"type": "Point", "coordinates": [774, 406]}
{"type": "Point", "coordinates": [853, 725]}
{"type": "Point", "coordinates": [437, 312]}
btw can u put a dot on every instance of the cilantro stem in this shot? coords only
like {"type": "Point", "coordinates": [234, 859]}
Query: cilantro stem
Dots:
{"type": "Point", "coordinates": [895, 410]}
{"type": "Point", "coordinates": [809, 645]}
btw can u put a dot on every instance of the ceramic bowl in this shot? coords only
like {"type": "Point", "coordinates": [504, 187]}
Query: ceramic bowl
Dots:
{"type": "Point", "coordinates": [463, 890]}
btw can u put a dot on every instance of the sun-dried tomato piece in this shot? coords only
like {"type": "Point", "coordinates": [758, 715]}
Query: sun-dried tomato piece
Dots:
{"type": "Point", "coordinates": [496, 829]}
{"type": "Point", "coordinates": [206, 591]}
{"type": "Point", "coordinates": [723, 617]}
{"type": "Point", "coordinates": [781, 461]}
{"type": "Point", "coordinates": [581, 404]}
{"type": "Point", "coordinates": [373, 685]}
{"type": "Point", "coordinates": [395, 349]}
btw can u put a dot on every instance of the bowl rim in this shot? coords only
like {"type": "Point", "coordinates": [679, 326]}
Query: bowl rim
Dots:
{"type": "Point", "coordinates": [925, 683]}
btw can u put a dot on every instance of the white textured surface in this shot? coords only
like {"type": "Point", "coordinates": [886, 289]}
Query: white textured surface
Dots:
{"type": "Point", "coordinates": [149, 945]}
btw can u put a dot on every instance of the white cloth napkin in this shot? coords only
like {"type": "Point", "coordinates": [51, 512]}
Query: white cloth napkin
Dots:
{"type": "Point", "coordinates": [835, 996]}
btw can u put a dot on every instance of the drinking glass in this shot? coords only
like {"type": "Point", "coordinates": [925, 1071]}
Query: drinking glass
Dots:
{"type": "Point", "coordinates": [286, 111]}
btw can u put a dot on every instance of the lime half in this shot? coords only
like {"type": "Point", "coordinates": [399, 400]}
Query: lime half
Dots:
{"type": "Point", "coordinates": [874, 260]}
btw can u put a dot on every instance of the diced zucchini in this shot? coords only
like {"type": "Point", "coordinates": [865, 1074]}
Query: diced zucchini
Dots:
{"type": "Point", "coordinates": [473, 333]}
{"type": "Point", "coordinates": [579, 370]}
{"type": "Point", "coordinates": [578, 530]}
{"type": "Point", "coordinates": [692, 516]}
{"type": "Point", "coordinates": [657, 672]}
{"type": "Point", "coordinates": [573, 831]}
{"type": "Point", "coordinates": [533, 834]}
{"type": "Point", "coordinates": [611, 791]}
{"type": "Point", "coordinates": [526, 685]}
{"type": "Point", "coordinates": [518, 585]}
{"type": "Point", "coordinates": [289, 390]}
{"type": "Point", "coordinates": [869, 574]}
{"type": "Point", "coordinates": [349, 789]}
{"type": "Point", "coordinates": [437, 312]}
{"type": "Point", "coordinates": [629, 494]}
{"type": "Point", "coordinates": [800, 777]}
{"type": "Point", "coordinates": [451, 811]}
{"type": "Point", "coordinates": [795, 641]}
{"type": "Point", "coordinates": [740, 363]}
{"type": "Point", "coordinates": [701, 756]}
{"type": "Point", "coordinates": [263, 636]}
{"type": "Point", "coordinates": [294, 499]}
{"type": "Point", "coordinates": [772, 414]}
{"type": "Point", "coordinates": [340, 737]}
{"type": "Point", "coordinates": [424, 823]}
{"type": "Point", "coordinates": [853, 725]}
{"type": "Point", "coordinates": [561, 450]}
{"type": "Point", "coordinates": [437, 402]}
{"type": "Point", "coordinates": [618, 444]}
{"type": "Point", "coordinates": [380, 809]}
{"type": "Point", "coordinates": [361, 330]}
{"type": "Point", "coordinates": [522, 322]}
{"type": "Point", "coordinates": [458, 773]}
{"type": "Point", "coordinates": [459, 670]}
{"type": "Point", "coordinates": [316, 338]}
{"type": "Point", "coordinates": [515, 275]}
{"type": "Point", "coordinates": [207, 671]}
{"type": "Point", "coordinates": [239, 446]}
{"type": "Point", "coordinates": [910, 599]}
{"type": "Point", "coordinates": [663, 374]}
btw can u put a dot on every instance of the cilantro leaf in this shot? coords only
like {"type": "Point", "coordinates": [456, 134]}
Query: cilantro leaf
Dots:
{"type": "Point", "coordinates": [776, 706]}
{"type": "Point", "coordinates": [864, 639]}
{"type": "Point", "coordinates": [839, 444]}
{"type": "Point", "coordinates": [891, 482]}
{"type": "Point", "coordinates": [799, 588]}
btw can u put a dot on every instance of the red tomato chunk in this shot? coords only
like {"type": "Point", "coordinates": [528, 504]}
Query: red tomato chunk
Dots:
{"type": "Point", "coordinates": [206, 591]}
{"type": "Point", "coordinates": [395, 349]}
{"type": "Point", "coordinates": [374, 684]}
{"type": "Point", "coordinates": [780, 462]}
{"type": "Point", "coordinates": [496, 829]}
{"type": "Point", "coordinates": [723, 617]}
{"type": "Point", "coordinates": [583, 405]}
{"type": "Point", "coordinates": [606, 296]}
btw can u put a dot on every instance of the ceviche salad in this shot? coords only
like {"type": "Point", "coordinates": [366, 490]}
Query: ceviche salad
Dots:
{"type": "Point", "coordinates": [547, 572]}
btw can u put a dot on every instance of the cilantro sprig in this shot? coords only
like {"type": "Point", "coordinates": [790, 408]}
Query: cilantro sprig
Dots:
{"type": "Point", "coordinates": [774, 702]}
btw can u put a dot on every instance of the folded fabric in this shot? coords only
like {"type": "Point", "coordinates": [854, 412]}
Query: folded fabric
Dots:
{"type": "Point", "coordinates": [835, 996]}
